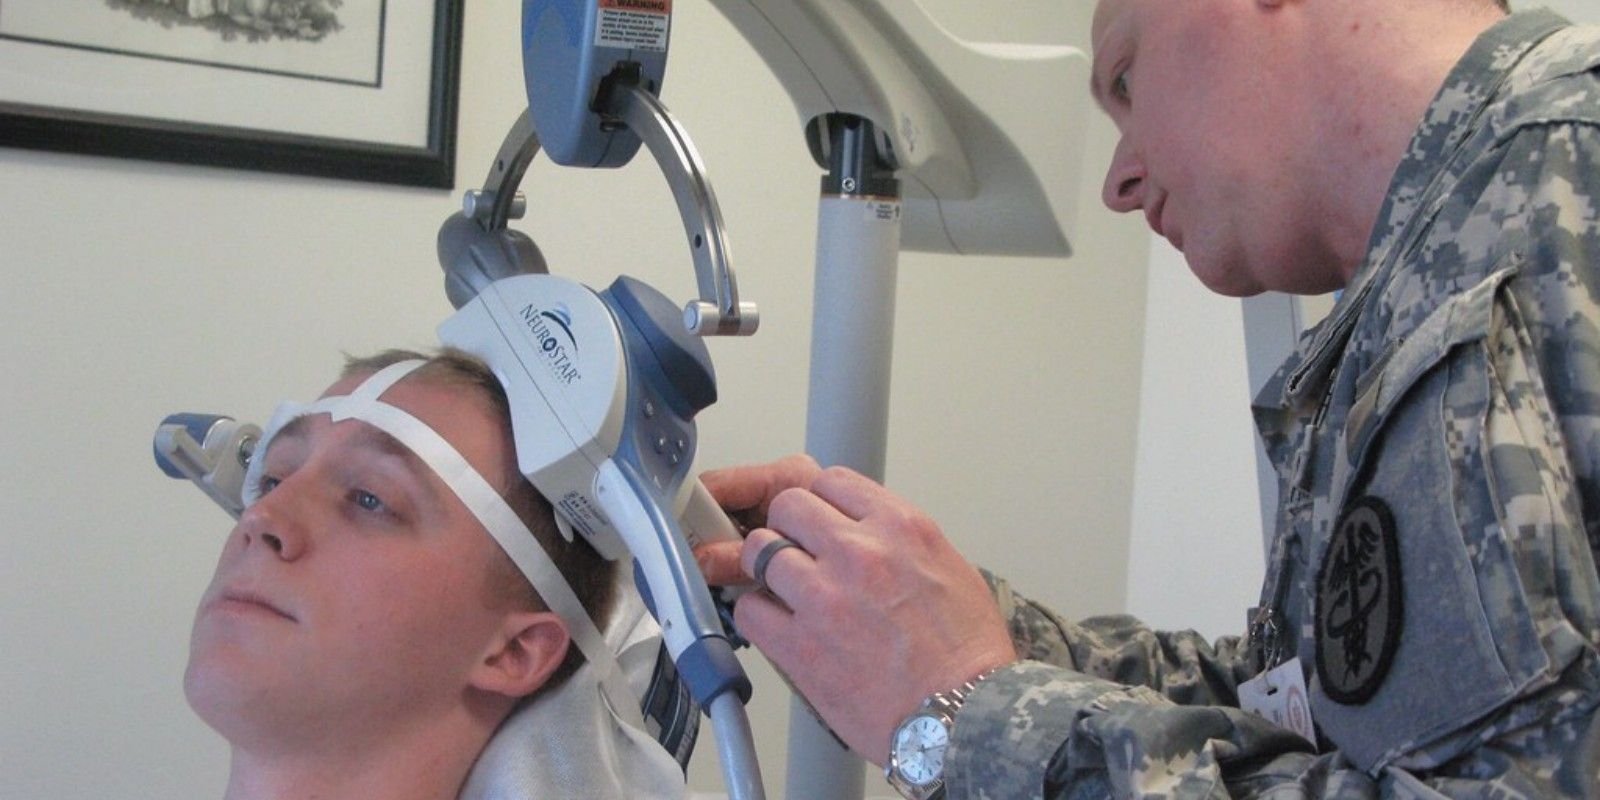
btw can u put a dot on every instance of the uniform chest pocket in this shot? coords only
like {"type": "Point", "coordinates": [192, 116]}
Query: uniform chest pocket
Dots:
{"type": "Point", "coordinates": [1422, 626]}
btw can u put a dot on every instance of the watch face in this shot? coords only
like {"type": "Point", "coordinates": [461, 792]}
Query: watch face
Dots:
{"type": "Point", "coordinates": [919, 748]}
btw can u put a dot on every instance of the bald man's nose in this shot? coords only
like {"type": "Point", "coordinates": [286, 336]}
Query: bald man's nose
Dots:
{"type": "Point", "coordinates": [1124, 187]}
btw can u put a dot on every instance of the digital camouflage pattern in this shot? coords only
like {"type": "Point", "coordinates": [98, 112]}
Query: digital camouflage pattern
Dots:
{"type": "Point", "coordinates": [1457, 383]}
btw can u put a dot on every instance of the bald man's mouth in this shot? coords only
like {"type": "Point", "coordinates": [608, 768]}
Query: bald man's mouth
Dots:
{"type": "Point", "coordinates": [1152, 212]}
{"type": "Point", "coordinates": [1155, 216]}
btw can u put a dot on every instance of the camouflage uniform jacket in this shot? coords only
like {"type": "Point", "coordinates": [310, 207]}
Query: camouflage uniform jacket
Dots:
{"type": "Point", "coordinates": [1437, 441]}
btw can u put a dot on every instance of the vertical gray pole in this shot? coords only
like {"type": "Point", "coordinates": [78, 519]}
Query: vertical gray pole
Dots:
{"type": "Point", "coordinates": [847, 417]}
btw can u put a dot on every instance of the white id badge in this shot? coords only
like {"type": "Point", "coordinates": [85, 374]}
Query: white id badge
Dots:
{"type": "Point", "coordinates": [1279, 696]}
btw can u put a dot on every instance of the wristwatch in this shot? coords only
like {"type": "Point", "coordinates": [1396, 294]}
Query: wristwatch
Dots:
{"type": "Point", "coordinates": [918, 746]}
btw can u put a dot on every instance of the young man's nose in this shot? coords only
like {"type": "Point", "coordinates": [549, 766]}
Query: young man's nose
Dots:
{"type": "Point", "coordinates": [273, 523]}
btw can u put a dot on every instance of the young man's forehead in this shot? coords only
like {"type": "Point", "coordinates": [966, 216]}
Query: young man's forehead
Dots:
{"type": "Point", "coordinates": [362, 435]}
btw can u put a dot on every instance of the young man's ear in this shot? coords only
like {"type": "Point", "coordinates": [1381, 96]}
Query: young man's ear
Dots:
{"type": "Point", "coordinates": [527, 650]}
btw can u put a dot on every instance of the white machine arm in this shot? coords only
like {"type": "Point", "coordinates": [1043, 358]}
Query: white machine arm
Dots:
{"type": "Point", "coordinates": [984, 136]}
{"type": "Point", "coordinates": [211, 450]}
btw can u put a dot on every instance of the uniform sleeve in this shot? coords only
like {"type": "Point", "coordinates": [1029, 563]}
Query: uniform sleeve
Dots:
{"type": "Point", "coordinates": [1038, 730]}
{"type": "Point", "coordinates": [1093, 709]}
{"type": "Point", "coordinates": [1180, 665]}
{"type": "Point", "coordinates": [1035, 730]}
{"type": "Point", "coordinates": [1553, 173]}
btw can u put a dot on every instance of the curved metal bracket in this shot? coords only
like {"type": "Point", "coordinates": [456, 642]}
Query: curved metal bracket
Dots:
{"type": "Point", "coordinates": [718, 311]}
{"type": "Point", "coordinates": [498, 201]}
{"type": "Point", "coordinates": [475, 247]}
{"type": "Point", "coordinates": [469, 265]}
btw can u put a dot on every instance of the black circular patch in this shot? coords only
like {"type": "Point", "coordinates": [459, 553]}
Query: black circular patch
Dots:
{"type": "Point", "coordinates": [1359, 606]}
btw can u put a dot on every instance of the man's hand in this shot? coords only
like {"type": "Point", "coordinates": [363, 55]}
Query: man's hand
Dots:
{"type": "Point", "coordinates": [746, 493]}
{"type": "Point", "coordinates": [876, 612]}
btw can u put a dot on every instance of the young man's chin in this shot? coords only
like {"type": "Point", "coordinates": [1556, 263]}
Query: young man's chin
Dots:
{"type": "Point", "coordinates": [232, 692]}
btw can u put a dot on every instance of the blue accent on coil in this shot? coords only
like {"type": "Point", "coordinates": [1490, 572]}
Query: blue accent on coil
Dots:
{"type": "Point", "coordinates": [669, 379]}
{"type": "Point", "coordinates": [197, 425]}
{"type": "Point", "coordinates": [688, 583]}
{"type": "Point", "coordinates": [684, 361]}
{"type": "Point", "coordinates": [708, 665]}
{"type": "Point", "coordinates": [710, 668]}
{"type": "Point", "coordinates": [644, 589]}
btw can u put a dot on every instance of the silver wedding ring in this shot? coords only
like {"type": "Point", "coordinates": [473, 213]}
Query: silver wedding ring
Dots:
{"type": "Point", "coordinates": [764, 558]}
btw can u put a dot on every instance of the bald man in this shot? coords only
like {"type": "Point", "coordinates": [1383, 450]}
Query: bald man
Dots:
{"type": "Point", "coordinates": [1431, 615]}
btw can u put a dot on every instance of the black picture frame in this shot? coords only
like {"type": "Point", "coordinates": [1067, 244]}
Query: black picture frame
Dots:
{"type": "Point", "coordinates": [433, 165]}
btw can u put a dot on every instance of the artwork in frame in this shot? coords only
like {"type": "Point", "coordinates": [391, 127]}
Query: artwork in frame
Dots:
{"type": "Point", "coordinates": [354, 89]}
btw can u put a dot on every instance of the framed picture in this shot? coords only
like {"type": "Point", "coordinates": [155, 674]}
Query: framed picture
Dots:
{"type": "Point", "coordinates": [356, 89]}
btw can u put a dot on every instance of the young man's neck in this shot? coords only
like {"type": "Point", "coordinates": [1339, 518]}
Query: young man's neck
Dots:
{"type": "Point", "coordinates": [1384, 62]}
{"type": "Point", "coordinates": [417, 764]}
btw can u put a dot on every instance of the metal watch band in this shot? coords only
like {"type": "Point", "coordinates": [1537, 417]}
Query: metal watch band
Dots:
{"type": "Point", "coordinates": [944, 705]}
{"type": "Point", "coordinates": [951, 701]}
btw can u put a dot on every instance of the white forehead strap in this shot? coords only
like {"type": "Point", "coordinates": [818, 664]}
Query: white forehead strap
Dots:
{"type": "Point", "coordinates": [479, 497]}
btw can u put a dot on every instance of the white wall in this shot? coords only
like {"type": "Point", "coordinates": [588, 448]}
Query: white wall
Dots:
{"type": "Point", "coordinates": [131, 290]}
{"type": "Point", "coordinates": [1194, 556]}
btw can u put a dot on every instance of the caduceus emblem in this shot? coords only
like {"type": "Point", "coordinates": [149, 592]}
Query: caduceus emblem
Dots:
{"type": "Point", "coordinates": [1358, 602]}
{"type": "Point", "coordinates": [1355, 587]}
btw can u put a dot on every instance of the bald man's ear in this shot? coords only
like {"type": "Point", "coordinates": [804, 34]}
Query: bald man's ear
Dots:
{"type": "Point", "coordinates": [529, 647]}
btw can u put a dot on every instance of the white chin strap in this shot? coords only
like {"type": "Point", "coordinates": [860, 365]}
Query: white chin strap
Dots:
{"type": "Point", "coordinates": [586, 738]}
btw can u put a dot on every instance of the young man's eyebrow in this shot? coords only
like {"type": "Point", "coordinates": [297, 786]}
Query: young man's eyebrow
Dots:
{"type": "Point", "coordinates": [373, 438]}
{"type": "Point", "coordinates": [293, 429]}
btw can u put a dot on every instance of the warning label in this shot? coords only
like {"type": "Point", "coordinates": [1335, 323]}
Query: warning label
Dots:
{"type": "Point", "coordinates": [634, 24]}
{"type": "Point", "coordinates": [582, 513]}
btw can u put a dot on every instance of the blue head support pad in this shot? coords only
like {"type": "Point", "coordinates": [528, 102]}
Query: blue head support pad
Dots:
{"type": "Point", "coordinates": [574, 53]}
{"type": "Point", "coordinates": [585, 738]}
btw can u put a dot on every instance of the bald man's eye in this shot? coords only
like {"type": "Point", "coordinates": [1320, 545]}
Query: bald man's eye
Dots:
{"type": "Point", "coordinates": [1119, 86]}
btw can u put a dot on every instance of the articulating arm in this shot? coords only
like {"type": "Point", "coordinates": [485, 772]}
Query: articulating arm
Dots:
{"type": "Point", "coordinates": [476, 248]}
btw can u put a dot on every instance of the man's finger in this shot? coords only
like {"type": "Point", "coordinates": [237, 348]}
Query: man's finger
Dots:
{"type": "Point", "coordinates": [767, 624]}
{"type": "Point", "coordinates": [736, 488]}
{"type": "Point", "coordinates": [754, 486]}
{"type": "Point", "coordinates": [809, 520]}
{"type": "Point", "coordinates": [719, 563]}
{"type": "Point", "coordinates": [853, 494]}
{"type": "Point", "coordinates": [786, 571]}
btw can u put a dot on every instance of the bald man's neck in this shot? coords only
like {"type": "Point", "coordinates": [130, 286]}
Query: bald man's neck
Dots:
{"type": "Point", "coordinates": [1374, 67]}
